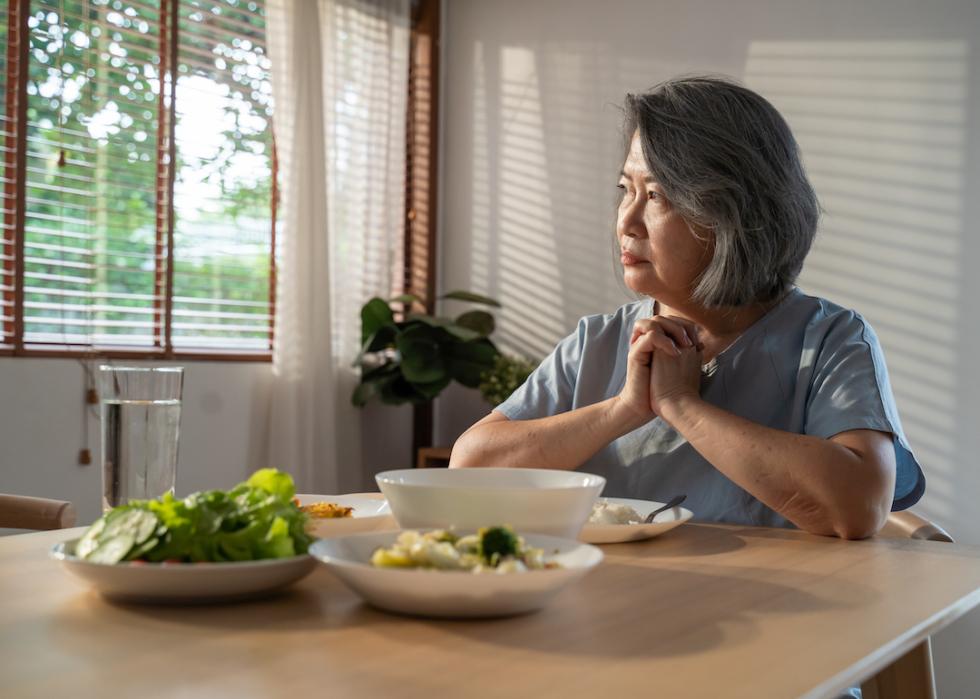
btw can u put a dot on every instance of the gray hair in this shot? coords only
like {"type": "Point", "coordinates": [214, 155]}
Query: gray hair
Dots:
{"type": "Point", "coordinates": [728, 162]}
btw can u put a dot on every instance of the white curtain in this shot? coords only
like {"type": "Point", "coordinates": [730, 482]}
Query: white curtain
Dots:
{"type": "Point", "coordinates": [340, 79]}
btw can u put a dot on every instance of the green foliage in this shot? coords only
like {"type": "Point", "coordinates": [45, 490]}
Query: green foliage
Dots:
{"type": "Point", "coordinates": [254, 520]}
{"type": "Point", "coordinates": [414, 359]}
{"type": "Point", "coordinates": [505, 377]}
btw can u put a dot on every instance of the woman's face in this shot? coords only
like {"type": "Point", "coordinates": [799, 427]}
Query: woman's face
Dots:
{"type": "Point", "coordinates": [661, 256]}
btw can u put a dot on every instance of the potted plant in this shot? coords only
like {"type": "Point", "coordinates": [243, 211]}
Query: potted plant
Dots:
{"type": "Point", "coordinates": [412, 359]}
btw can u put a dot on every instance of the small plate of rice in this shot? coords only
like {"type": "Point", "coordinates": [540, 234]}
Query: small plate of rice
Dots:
{"type": "Point", "coordinates": [617, 520]}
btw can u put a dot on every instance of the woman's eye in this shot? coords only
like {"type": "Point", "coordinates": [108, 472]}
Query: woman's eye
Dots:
{"type": "Point", "coordinates": [621, 186]}
{"type": "Point", "coordinates": [653, 195]}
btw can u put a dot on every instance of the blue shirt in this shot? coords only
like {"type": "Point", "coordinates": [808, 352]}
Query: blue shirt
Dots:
{"type": "Point", "coordinates": [808, 367]}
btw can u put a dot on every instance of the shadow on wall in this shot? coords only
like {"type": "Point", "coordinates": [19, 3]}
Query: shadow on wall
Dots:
{"type": "Point", "coordinates": [882, 128]}
{"type": "Point", "coordinates": [541, 121]}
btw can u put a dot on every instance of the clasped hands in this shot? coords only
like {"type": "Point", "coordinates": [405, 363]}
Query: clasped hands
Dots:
{"type": "Point", "coordinates": [664, 364]}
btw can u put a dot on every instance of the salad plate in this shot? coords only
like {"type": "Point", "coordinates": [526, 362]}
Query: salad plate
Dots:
{"type": "Point", "coordinates": [184, 583]}
{"type": "Point", "coordinates": [453, 593]}
{"type": "Point", "coordinates": [620, 533]}
{"type": "Point", "coordinates": [210, 546]}
{"type": "Point", "coordinates": [370, 513]}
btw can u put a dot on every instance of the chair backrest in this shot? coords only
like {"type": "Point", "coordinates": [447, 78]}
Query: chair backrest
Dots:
{"type": "Point", "coordinates": [908, 525]}
{"type": "Point", "coordinates": [912, 674]}
{"type": "Point", "coordinates": [22, 512]}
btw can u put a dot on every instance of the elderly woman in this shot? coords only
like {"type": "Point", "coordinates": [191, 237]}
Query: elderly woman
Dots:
{"type": "Point", "coordinates": [725, 382]}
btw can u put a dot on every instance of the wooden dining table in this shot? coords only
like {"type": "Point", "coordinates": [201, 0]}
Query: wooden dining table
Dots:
{"type": "Point", "coordinates": [701, 611]}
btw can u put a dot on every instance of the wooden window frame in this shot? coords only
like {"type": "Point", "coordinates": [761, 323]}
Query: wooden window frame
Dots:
{"type": "Point", "coordinates": [18, 72]}
{"type": "Point", "coordinates": [420, 202]}
{"type": "Point", "coordinates": [422, 178]}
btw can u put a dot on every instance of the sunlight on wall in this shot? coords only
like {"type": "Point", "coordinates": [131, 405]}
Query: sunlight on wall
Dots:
{"type": "Point", "coordinates": [542, 213]}
{"type": "Point", "coordinates": [481, 209]}
{"type": "Point", "coordinates": [524, 253]}
{"type": "Point", "coordinates": [882, 129]}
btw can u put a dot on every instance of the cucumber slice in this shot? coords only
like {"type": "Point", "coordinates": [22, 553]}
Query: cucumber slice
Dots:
{"type": "Point", "coordinates": [113, 550]}
{"type": "Point", "coordinates": [143, 548]}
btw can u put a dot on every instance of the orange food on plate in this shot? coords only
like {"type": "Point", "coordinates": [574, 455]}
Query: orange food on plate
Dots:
{"type": "Point", "coordinates": [325, 510]}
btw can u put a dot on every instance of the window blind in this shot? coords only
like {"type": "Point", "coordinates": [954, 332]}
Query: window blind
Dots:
{"type": "Point", "coordinates": [224, 188]}
{"type": "Point", "coordinates": [93, 96]}
{"type": "Point", "coordinates": [148, 178]}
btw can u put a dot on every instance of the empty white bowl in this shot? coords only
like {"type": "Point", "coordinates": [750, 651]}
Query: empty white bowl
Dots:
{"type": "Point", "coordinates": [530, 500]}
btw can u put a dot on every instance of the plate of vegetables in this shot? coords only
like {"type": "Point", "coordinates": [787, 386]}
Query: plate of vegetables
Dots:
{"type": "Point", "coordinates": [210, 546]}
{"type": "Point", "coordinates": [441, 573]}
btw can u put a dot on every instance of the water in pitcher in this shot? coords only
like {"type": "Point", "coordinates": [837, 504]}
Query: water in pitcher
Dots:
{"type": "Point", "coordinates": [139, 447]}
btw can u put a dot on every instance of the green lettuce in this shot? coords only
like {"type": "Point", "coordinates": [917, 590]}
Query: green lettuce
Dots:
{"type": "Point", "coordinates": [254, 520]}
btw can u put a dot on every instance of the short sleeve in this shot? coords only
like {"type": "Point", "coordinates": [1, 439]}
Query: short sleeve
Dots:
{"type": "Point", "coordinates": [850, 390]}
{"type": "Point", "coordinates": [550, 388]}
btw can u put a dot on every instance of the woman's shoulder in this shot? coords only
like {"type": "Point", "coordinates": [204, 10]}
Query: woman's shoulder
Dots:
{"type": "Point", "coordinates": [824, 318]}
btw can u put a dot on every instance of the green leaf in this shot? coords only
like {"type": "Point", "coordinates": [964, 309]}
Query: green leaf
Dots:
{"type": "Point", "coordinates": [450, 326]}
{"type": "Point", "coordinates": [469, 360]}
{"type": "Point", "coordinates": [273, 481]}
{"type": "Point", "coordinates": [364, 392]}
{"type": "Point", "coordinates": [463, 334]}
{"type": "Point", "coordinates": [433, 321]}
{"type": "Point", "coordinates": [375, 314]}
{"type": "Point", "coordinates": [372, 383]}
{"type": "Point", "coordinates": [433, 389]}
{"type": "Point", "coordinates": [378, 373]}
{"type": "Point", "coordinates": [380, 339]}
{"type": "Point", "coordinates": [422, 355]}
{"type": "Point", "coordinates": [383, 338]}
{"type": "Point", "coordinates": [479, 322]}
{"type": "Point", "coordinates": [471, 297]}
{"type": "Point", "coordinates": [399, 392]}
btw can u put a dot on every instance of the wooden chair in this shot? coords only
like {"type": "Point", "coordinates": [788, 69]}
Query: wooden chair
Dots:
{"type": "Point", "coordinates": [908, 525]}
{"type": "Point", "coordinates": [22, 512]}
{"type": "Point", "coordinates": [912, 674]}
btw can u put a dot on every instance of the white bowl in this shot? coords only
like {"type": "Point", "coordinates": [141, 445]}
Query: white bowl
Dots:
{"type": "Point", "coordinates": [453, 593]}
{"type": "Point", "coordinates": [541, 501]}
{"type": "Point", "coordinates": [371, 514]}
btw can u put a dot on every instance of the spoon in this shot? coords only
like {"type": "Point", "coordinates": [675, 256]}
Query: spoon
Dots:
{"type": "Point", "coordinates": [673, 502]}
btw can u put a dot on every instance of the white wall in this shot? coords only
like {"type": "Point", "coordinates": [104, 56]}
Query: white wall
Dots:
{"type": "Point", "coordinates": [42, 429]}
{"type": "Point", "coordinates": [223, 431]}
{"type": "Point", "coordinates": [884, 96]}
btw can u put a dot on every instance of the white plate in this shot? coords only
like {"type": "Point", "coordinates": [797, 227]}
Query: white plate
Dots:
{"type": "Point", "coordinates": [453, 594]}
{"type": "Point", "coordinates": [184, 583]}
{"type": "Point", "coordinates": [618, 533]}
{"type": "Point", "coordinates": [371, 514]}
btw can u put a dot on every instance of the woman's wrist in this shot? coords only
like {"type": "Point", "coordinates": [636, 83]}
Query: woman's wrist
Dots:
{"type": "Point", "coordinates": [678, 410]}
{"type": "Point", "coordinates": [625, 418]}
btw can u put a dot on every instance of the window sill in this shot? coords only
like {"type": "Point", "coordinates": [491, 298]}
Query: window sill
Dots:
{"type": "Point", "coordinates": [62, 352]}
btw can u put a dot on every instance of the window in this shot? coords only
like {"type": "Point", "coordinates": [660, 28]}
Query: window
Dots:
{"type": "Point", "coordinates": [139, 178]}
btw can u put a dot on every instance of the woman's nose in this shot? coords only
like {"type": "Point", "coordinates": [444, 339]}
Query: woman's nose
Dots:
{"type": "Point", "coordinates": [631, 220]}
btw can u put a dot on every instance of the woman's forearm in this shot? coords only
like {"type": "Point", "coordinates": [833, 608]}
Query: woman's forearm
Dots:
{"type": "Point", "coordinates": [821, 486]}
{"type": "Point", "coordinates": [563, 441]}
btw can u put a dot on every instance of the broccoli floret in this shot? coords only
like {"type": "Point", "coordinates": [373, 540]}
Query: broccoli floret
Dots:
{"type": "Point", "coordinates": [497, 543]}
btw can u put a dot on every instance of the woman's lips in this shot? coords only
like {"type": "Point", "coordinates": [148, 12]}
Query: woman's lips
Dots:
{"type": "Point", "coordinates": [629, 259]}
